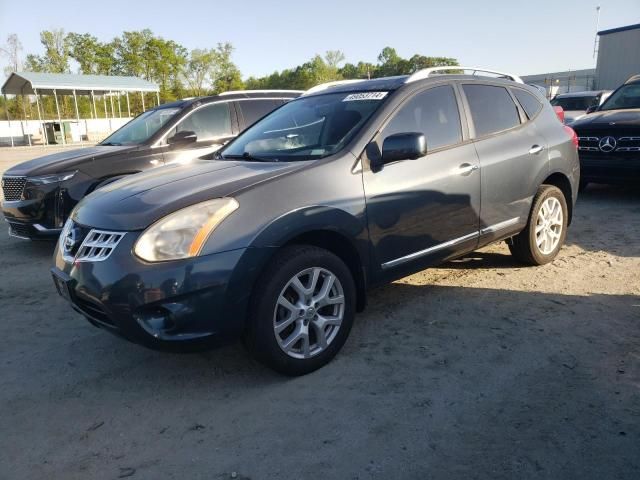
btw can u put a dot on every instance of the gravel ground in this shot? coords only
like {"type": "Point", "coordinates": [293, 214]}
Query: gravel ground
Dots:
{"type": "Point", "coordinates": [479, 369]}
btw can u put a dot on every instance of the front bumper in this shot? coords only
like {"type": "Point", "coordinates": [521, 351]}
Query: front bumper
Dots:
{"type": "Point", "coordinates": [40, 216]}
{"type": "Point", "coordinates": [176, 305]}
{"type": "Point", "coordinates": [610, 169]}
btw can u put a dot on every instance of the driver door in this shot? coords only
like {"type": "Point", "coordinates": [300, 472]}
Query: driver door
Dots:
{"type": "Point", "coordinates": [212, 127]}
{"type": "Point", "coordinates": [424, 210]}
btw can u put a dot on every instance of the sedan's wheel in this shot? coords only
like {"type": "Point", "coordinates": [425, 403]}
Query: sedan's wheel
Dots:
{"type": "Point", "coordinates": [301, 310]}
{"type": "Point", "coordinates": [541, 240]}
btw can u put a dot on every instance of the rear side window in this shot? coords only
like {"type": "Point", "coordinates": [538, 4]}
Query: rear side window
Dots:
{"type": "Point", "coordinates": [208, 122]}
{"type": "Point", "coordinates": [492, 109]}
{"type": "Point", "coordinates": [254, 110]}
{"type": "Point", "coordinates": [529, 103]}
{"type": "Point", "coordinates": [434, 113]}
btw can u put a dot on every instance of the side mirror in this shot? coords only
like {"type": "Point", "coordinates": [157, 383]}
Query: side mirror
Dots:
{"type": "Point", "coordinates": [403, 146]}
{"type": "Point", "coordinates": [592, 109]}
{"type": "Point", "coordinates": [182, 138]}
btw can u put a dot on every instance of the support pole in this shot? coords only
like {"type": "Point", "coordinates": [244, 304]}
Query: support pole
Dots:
{"type": "Point", "coordinates": [113, 112]}
{"type": "Point", "coordinates": [6, 107]}
{"type": "Point", "coordinates": [158, 98]}
{"type": "Point", "coordinates": [75, 101]}
{"type": "Point", "coordinates": [24, 111]}
{"type": "Point", "coordinates": [104, 101]}
{"type": "Point", "coordinates": [93, 101]}
{"type": "Point", "coordinates": [44, 130]}
{"type": "Point", "coordinates": [119, 107]}
{"type": "Point", "coordinates": [128, 106]}
{"type": "Point", "coordinates": [142, 96]}
{"type": "Point", "coordinates": [64, 140]}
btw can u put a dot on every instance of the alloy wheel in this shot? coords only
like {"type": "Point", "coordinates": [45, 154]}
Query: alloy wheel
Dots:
{"type": "Point", "coordinates": [309, 312]}
{"type": "Point", "coordinates": [549, 225]}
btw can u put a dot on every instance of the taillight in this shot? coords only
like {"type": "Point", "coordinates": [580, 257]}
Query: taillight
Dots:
{"type": "Point", "coordinates": [559, 112]}
{"type": "Point", "coordinates": [572, 133]}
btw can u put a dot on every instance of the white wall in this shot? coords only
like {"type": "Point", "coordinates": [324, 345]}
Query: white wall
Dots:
{"type": "Point", "coordinates": [93, 130]}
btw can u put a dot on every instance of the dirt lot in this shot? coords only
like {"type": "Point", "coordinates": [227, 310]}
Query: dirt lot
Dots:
{"type": "Point", "coordinates": [480, 369]}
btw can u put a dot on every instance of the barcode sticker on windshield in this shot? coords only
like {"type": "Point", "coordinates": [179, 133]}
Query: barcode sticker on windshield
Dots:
{"type": "Point", "coordinates": [365, 96]}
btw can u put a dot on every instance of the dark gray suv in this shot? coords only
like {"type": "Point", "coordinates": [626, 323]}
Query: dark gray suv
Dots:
{"type": "Point", "coordinates": [276, 238]}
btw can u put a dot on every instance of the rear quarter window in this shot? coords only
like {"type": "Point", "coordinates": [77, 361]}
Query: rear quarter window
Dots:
{"type": "Point", "coordinates": [529, 103]}
{"type": "Point", "coordinates": [492, 109]}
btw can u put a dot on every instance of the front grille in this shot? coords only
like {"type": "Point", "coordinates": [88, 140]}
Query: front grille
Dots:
{"type": "Point", "coordinates": [12, 187]}
{"type": "Point", "coordinates": [98, 245]}
{"type": "Point", "coordinates": [19, 230]}
{"type": "Point", "coordinates": [627, 142]}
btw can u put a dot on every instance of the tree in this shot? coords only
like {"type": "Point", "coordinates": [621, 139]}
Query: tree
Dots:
{"type": "Point", "coordinates": [56, 53]}
{"type": "Point", "coordinates": [225, 74]}
{"type": "Point", "coordinates": [333, 57]}
{"type": "Point", "coordinates": [11, 51]}
{"type": "Point", "coordinates": [197, 70]}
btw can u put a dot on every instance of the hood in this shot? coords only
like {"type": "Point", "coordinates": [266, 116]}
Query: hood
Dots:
{"type": "Point", "coordinates": [136, 202]}
{"type": "Point", "coordinates": [572, 115]}
{"type": "Point", "coordinates": [65, 160]}
{"type": "Point", "coordinates": [610, 118]}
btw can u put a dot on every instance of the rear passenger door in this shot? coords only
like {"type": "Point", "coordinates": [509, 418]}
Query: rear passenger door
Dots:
{"type": "Point", "coordinates": [511, 153]}
{"type": "Point", "coordinates": [424, 210]}
{"type": "Point", "coordinates": [213, 128]}
{"type": "Point", "coordinates": [252, 110]}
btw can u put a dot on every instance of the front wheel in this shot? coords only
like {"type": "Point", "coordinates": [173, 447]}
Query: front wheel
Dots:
{"type": "Point", "coordinates": [541, 240]}
{"type": "Point", "coordinates": [301, 311]}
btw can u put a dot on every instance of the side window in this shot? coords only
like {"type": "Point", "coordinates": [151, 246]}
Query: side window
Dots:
{"type": "Point", "coordinates": [529, 103]}
{"type": "Point", "coordinates": [254, 110]}
{"type": "Point", "coordinates": [434, 113]}
{"type": "Point", "coordinates": [208, 122]}
{"type": "Point", "coordinates": [492, 109]}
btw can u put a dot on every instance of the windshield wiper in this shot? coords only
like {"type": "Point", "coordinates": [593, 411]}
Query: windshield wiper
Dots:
{"type": "Point", "coordinates": [249, 158]}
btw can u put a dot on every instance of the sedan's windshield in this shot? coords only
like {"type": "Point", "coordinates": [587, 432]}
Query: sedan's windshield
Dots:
{"type": "Point", "coordinates": [627, 96]}
{"type": "Point", "coordinates": [575, 103]}
{"type": "Point", "coordinates": [141, 128]}
{"type": "Point", "coordinates": [308, 128]}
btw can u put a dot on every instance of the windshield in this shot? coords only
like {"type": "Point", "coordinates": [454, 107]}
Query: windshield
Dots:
{"type": "Point", "coordinates": [575, 103]}
{"type": "Point", "coordinates": [306, 129]}
{"type": "Point", "coordinates": [627, 96]}
{"type": "Point", "coordinates": [141, 128]}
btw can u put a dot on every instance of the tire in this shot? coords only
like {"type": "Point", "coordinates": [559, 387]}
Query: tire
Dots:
{"type": "Point", "coordinates": [525, 246]}
{"type": "Point", "coordinates": [273, 324]}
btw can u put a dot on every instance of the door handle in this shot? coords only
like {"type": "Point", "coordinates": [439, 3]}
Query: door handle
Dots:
{"type": "Point", "coordinates": [536, 149]}
{"type": "Point", "coordinates": [467, 168]}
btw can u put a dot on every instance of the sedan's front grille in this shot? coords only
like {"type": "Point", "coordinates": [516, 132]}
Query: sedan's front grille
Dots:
{"type": "Point", "coordinates": [98, 245]}
{"type": "Point", "coordinates": [19, 230]}
{"type": "Point", "coordinates": [12, 187]}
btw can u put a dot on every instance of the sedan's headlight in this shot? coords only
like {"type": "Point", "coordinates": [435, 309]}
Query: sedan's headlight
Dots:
{"type": "Point", "coordinates": [183, 233]}
{"type": "Point", "coordinates": [55, 178]}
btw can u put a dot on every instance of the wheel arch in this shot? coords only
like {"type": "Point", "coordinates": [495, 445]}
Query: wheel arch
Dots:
{"type": "Point", "coordinates": [561, 181]}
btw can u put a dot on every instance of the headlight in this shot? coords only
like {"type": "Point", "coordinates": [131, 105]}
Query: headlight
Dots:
{"type": "Point", "coordinates": [55, 178]}
{"type": "Point", "coordinates": [183, 233]}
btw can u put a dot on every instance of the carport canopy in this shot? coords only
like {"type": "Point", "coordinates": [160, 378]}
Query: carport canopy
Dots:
{"type": "Point", "coordinates": [30, 83]}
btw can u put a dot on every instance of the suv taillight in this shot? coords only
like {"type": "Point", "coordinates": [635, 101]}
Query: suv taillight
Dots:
{"type": "Point", "coordinates": [572, 133]}
{"type": "Point", "coordinates": [559, 112]}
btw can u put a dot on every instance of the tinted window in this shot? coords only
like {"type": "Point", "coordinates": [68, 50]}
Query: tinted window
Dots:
{"type": "Point", "coordinates": [492, 108]}
{"type": "Point", "coordinates": [627, 96]}
{"type": "Point", "coordinates": [208, 122]}
{"type": "Point", "coordinates": [434, 113]}
{"type": "Point", "coordinates": [575, 103]}
{"type": "Point", "coordinates": [529, 103]}
{"type": "Point", "coordinates": [308, 128]}
{"type": "Point", "coordinates": [141, 128]}
{"type": "Point", "coordinates": [254, 110]}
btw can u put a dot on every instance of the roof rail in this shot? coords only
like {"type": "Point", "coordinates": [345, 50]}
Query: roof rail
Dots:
{"type": "Point", "coordinates": [324, 86]}
{"type": "Point", "coordinates": [236, 92]}
{"type": "Point", "coordinates": [426, 73]}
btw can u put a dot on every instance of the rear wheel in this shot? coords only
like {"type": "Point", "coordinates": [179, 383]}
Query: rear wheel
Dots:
{"type": "Point", "coordinates": [541, 240]}
{"type": "Point", "coordinates": [302, 310]}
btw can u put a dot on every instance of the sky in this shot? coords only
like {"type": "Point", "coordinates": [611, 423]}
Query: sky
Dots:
{"type": "Point", "coordinates": [522, 37]}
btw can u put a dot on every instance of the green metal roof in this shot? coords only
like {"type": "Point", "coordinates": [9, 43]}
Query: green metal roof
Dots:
{"type": "Point", "coordinates": [26, 83]}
